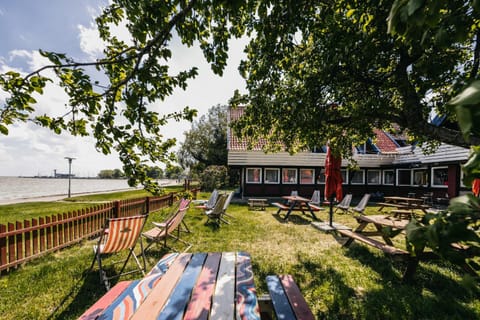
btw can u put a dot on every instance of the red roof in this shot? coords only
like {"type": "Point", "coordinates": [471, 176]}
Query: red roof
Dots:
{"type": "Point", "coordinates": [383, 141]}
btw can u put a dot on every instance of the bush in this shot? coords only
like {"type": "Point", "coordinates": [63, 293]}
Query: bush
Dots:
{"type": "Point", "coordinates": [214, 177]}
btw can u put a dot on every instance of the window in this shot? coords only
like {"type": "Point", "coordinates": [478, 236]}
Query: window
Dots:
{"type": "Point", "coordinates": [357, 177]}
{"type": "Point", "coordinates": [420, 177]}
{"type": "Point", "coordinates": [272, 175]}
{"type": "Point", "coordinates": [388, 177]}
{"type": "Point", "coordinates": [440, 177]}
{"type": "Point", "coordinates": [254, 175]}
{"type": "Point", "coordinates": [404, 177]}
{"type": "Point", "coordinates": [373, 177]}
{"type": "Point", "coordinates": [344, 176]}
{"type": "Point", "coordinates": [306, 176]}
{"type": "Point", "coordinates": [289, 176]}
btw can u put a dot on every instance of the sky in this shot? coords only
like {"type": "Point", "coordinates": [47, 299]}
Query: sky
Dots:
{"type": "Point", "coordinates": [68, 27]}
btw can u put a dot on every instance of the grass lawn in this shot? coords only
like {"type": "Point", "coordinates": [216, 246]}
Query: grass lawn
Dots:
{"type": "Point", "coordinates": [338, 283]}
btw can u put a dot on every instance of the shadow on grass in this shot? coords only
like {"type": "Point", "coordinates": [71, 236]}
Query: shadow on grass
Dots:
{"type": "Point", "coordinates": [427, 295]}
{"type": "Point", "coordinates": [294, 218]}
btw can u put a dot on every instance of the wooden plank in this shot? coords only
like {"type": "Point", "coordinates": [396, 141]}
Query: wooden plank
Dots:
{"type": "Point", "coordinates": [374, 243]}
{"type": "Point", "coordinates": [157, 298]}
{"type": "Point", "coordinates": [223, 303]}
{"type": "Point", "coordinates": [176, 305]}
{"type": "Point", "coordinates": [246, 295]}
{"type": "Point", "coordinates": [97, 308]}
{"type": "Point", "coordinates": [201, 300]}
{"type": "Point", "coordinates": [125, 305]}
{"type": "Point", "coordinates": [279, 205]}
{"type": "Point", "coordinates": [280, 302]}
{"type": "Point", "coordinates": [296, 299]}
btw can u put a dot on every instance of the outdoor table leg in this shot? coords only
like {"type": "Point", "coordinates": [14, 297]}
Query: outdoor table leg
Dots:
{"type": "Point", "coordinates": [294, 203]}
{"type": "Point", "coordinates": [385, 238]}
{"type": "Point", "coordinates": [360, 228]}
{"type": "Point", "coordinates": [311, 212]}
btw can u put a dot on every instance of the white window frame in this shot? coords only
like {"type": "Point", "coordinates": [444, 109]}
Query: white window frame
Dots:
{"type": "Point", "coordinates": [312, 180]}
{"type": "Point", "coordinates": [345, 181]}
{"type": "Point", "coordinates": [253, 182]}
{"type": "Point", "coordinates": [412, 179]}
{"type": "Point", "coordinates": [290, 182]}
{"type": "Point", "coordinates": [272, 169]}
{"type": "Point", "coordinates": [383, 177]}
{"type": "Point", "coordinates": [397, 176]}
{"type": "Point", "coordinates": [361, 171]}
{"type": "Point", "coordinates": [432, 177]}
{"type": "Point", "coordinates": [462, 175]}
{"type": "Point", "coordinates": [379, 177]}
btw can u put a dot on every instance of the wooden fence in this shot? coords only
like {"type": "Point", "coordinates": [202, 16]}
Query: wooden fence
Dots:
{"type": "Point", "coordinates": [23, 241]}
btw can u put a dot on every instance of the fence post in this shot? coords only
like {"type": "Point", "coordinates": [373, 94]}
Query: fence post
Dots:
{"type": "Point", "coordinates": [116, 209]}
{"type": "Point", "coordinates": [147, 205]}
{"type": "Point", "coordinates": [3, 246]}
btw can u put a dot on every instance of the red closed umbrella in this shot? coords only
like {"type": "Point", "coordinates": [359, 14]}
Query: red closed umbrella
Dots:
{"type": "Point", "coordinates": [333, 179]}
{"type": "Point", "coordinates": [476, 187]}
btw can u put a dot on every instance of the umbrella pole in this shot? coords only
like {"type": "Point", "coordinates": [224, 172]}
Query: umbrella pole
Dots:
{"type": "Point", "coordinates": [331, 210]}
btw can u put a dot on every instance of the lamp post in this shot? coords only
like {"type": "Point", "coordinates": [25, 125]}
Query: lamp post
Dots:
{"type": "Point", "coordinates": [69, 173]}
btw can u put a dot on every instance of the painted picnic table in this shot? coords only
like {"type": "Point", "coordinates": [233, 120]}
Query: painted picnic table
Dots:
{"type": "Point", "coordinates": [189, 286]}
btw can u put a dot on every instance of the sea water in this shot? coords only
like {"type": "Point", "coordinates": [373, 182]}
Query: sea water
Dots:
{"type": "Point", "coordinates": [12, 188]}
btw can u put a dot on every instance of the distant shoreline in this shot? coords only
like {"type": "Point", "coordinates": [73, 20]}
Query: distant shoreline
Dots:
{"type": "Point", "coordinates": [24, 197]}
{"type": "Point", "coordinates": [58, 197]}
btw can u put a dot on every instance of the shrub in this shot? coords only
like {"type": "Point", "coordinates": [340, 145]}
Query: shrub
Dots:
{"type": "Point", "coordinates": [214, 177]}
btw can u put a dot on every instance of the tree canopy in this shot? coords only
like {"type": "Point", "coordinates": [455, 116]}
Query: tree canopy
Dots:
{"type": "Point", "coordinates": [332, 71]}
{"type": "Point", "coordinates": [206, 142]}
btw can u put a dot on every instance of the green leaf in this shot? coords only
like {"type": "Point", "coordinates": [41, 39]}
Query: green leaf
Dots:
{"type": "Point", "coordinates": [413, 6]}
{"type": "Point", "coordinates": [3, 130]}
{"type": "Point", "coordinates": [469, 96]}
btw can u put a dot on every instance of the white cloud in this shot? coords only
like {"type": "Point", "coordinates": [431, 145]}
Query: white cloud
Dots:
{"type": "Point", "coordinates": [90, 41]}
{"type": "Point", "coordinates": [31, 150]}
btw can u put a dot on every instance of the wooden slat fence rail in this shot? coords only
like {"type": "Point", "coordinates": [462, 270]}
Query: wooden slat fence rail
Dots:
{"type": "Point", "coordinates": [23, 241]}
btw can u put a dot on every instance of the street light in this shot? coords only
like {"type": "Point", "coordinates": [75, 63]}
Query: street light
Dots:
{"type": "Point", "coordinates": [69, 173]}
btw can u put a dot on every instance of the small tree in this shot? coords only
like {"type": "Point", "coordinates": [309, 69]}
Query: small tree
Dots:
{"type": "Point", "coordinates": [214, 177]}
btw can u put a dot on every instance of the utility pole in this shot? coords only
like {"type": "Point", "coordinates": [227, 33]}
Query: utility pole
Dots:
{"type": "Point", "coordinates": [69, 174]}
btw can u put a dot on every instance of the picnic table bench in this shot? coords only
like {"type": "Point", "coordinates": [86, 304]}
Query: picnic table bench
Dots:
{"type": "Point", "coordinates": [287, 300]}
{"type": "Point", "coordinates": [257, 204]}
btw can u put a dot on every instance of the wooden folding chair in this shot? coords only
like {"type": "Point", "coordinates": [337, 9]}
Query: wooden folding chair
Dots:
{"type": "Point", "coordinates": [120, 234]}
{"type": "Point", "coordinates": [362, 204]}
{"type": "Point", "coordinates": [344, 205]}
{"type": "Point", "coordinates": [215, 215]}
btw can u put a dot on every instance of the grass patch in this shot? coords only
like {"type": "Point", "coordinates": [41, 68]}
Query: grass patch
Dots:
{"type": "Point", "coordinates": [338, 283]}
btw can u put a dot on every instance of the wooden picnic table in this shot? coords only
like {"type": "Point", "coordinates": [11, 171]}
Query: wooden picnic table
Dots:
{"type": "Point", "coordinates": [216, 285]}
{"type": "Point", "coordinates": [296, 203]}
{"type": "Point", "coordinates": [403, 206]}
{"type": "Point", "coordinates": [382, 223]}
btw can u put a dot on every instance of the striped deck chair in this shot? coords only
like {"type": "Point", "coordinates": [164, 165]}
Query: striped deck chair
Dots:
{"type": "Point", "coordinates": [162, 231]}
{"type": "Point", "coordinates": [120, 234]}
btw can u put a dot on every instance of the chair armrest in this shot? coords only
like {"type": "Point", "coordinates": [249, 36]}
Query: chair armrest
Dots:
{"type": "Point", "coordinates": [160, 224]}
